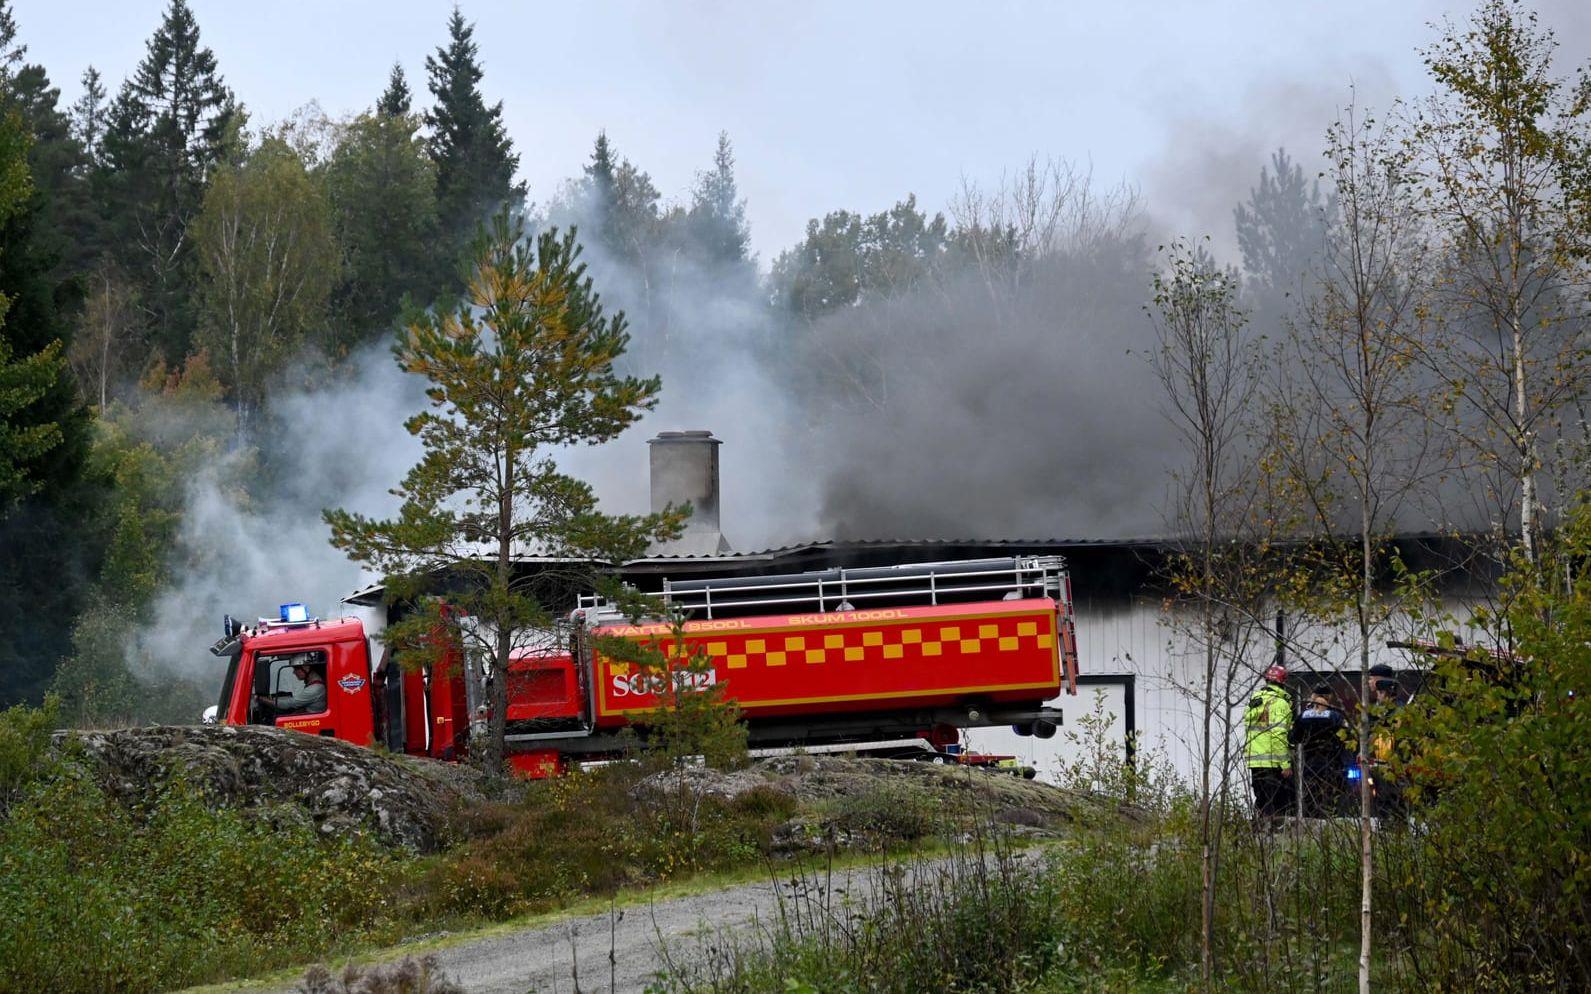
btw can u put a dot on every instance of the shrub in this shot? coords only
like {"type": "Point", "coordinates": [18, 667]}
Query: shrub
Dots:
{"type": "Point", "coordinates": [24, 747]}
{"type": "Point", "coordinates": [888, 814]}
{"type": "Point", "coordinates": [1495, 891]}
{"type": "Point", "coordinates": [166, 894]}
{"type": "Point", "coordinates": [589, 834]}
{"type": "Point", "coordinates": [765, 802]}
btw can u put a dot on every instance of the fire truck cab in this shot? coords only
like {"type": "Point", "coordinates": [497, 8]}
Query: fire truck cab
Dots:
{"type": "Point", "coordinates": [265, 667]}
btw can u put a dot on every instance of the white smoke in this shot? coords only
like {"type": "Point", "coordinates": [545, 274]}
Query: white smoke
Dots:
{"type": "Point", "coordinates": [252, 537]}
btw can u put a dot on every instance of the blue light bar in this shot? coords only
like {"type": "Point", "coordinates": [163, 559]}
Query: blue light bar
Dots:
{"type": "Point", "coordinates": [295, 613]}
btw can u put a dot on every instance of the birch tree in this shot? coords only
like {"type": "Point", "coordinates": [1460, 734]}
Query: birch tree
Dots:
{"type": "Point", "coordinates": [1210, 370]}
{"type": "Point", "coordinates": [268, 262]}
{"type": "Point", "coordinates": [107, 327]}
{"type": "Point", "coordinates": [1502, 146]}
{"type": "Point", "coordinates": [1353, 407]}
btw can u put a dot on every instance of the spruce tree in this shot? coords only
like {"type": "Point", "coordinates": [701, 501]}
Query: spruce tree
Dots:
{"type": "Point", "coordinates": [66, 229]}
{"type": "Point", "coordinates": [620, 204]}
{"type": "Point", "coordinates": [89, 114]}
{"type": "Point", "coordinates": [474, 157]}
{"type": "Point", "coordinates": [168, 128]}
{"type": "Point", "coordinates": [11, 51]}
{"type": "Point", "coordinates": [382, 187]}
{"type": "Point", "coordinates": [395, 102]}
{"type": "Point", "coordinates": [718, 214]}
{"type": "Point", "coordinates": [600, 184]}
{"type": "Point", "coordinates": [44, 440]}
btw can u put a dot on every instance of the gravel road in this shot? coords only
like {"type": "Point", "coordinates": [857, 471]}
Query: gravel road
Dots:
{"type": "Point", "coordinates": [573, 954]}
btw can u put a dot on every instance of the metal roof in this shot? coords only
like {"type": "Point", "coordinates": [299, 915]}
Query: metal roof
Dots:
{"type": "Point", "coordinates": [1003, 543]}
{"type": "Point", "coordinates": [1140, 551]}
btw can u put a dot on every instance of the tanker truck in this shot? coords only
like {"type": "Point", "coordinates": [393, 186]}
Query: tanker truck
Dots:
{"type": "Point", "coordinates": [836, 659]}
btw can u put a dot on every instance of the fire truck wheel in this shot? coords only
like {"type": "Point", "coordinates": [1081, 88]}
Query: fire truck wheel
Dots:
{"type": "Point", "coordinates": [1024, 729]}
{"type": "Point", "coordinates": [1028, 773]}
{"type": "Point", "coordinates": [1044, 728]}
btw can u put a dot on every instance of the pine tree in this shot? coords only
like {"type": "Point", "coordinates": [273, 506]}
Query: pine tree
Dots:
{"type": "Point", "coordinates": [1282, 229]}
{"type": "Point", "coordinates": [168, 128]}
{"type": "Point", "coordinates": [475, 160]}
{"type": "Point", "coordinates": [395, 102]}
{"type": "Point", "coordinates": [718, 214]}
{"type": "Point", "coordinates": [524, 364]}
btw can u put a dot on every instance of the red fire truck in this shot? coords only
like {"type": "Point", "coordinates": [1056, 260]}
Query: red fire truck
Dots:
{"type": "Point", "coordinates": [911, 653]}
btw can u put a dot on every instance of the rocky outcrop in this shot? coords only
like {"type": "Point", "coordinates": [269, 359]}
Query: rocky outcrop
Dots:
{"type": "Point", "coordinates": [844, 802]}
{"type": "Point", "coordinates": [284, 776]}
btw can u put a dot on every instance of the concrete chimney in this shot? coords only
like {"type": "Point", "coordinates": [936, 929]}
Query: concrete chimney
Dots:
{"type": "Point", "coordinates": [685, 468]}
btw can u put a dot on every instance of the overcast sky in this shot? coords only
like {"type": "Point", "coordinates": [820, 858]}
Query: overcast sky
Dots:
{"type": "Point", "coordinates": [830, 104]}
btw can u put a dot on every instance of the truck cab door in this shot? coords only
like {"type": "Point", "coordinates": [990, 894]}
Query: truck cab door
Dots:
{"type": "Point", "coordinates": [275, 680]}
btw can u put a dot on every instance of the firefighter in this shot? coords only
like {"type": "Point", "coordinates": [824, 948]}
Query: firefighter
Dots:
{"type": "Point", "coordinates": [1269, 720]}
{"type": "Point", "coordinates": [1318, 732]}
{"type": "Point", "coordinates": [308, 698]}
{"type": "Point", "coordinates": [1385, 699]}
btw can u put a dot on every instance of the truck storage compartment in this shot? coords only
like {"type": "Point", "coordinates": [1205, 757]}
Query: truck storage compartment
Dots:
{"type": "Point", "coordinates": [542, 688]}
{"type": "Point", "coordinates": [874, 659]}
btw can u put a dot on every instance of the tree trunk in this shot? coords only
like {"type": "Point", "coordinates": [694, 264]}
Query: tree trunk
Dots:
{"type": "Point", "coordinates": [1206, 854]}
{"type": "Point", "coordinates": [497, 727]}
{"type": "Point", "coordinates": [497, 724]}
{"type": "Point", "coordinates": [1525, 444]}
{"type": "Point", "coordinates": [1365, 842]}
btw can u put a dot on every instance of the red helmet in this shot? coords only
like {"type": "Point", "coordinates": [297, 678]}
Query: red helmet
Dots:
{"type": "Point", "coordinates": [1277, 673]}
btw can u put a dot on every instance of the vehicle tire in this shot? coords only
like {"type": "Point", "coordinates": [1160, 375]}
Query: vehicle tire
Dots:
{"type": "Point", "coordinates": [1028, 773]}
{"type": "Point", "coordinates": [1044, 728]}
{"type": "Point", "coordinates": [1024, 729]}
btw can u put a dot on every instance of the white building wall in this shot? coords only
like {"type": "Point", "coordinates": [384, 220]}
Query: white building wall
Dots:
{"type": "Point", "coordinates": [1122, 639]}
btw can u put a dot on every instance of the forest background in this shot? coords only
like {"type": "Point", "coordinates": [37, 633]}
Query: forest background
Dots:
{"type": "Point", "coordinates": [202, 305]}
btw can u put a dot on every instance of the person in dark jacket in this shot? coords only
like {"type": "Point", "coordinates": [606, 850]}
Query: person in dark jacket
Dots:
{"type": "Point", "coordinates": [1319, 733]}
{"type": "Point", "coordinates": [1386, 697]}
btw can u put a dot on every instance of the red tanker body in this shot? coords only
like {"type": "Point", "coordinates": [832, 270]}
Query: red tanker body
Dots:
{"type": "Point", "coordinates": [870, 660]}
{"type": "Point", "coordinates": [939, 647]}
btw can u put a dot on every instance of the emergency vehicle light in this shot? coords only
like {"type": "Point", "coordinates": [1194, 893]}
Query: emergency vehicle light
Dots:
{"type": "Point", "coordinates": [295, 613]}
{"type": "Point", "coordinates": [1353, 773]}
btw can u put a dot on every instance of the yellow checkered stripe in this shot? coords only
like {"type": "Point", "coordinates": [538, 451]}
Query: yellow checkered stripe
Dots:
{"type": "Point", "coordinates": [902, 642]}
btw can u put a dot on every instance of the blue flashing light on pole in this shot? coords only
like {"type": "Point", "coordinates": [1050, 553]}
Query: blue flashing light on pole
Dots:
{"type": "Point", "coordinates": [293, 614]}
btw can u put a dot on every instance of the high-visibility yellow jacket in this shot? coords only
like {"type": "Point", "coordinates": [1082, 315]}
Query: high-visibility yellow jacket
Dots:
{"type": "Point", "coordinates": [1268, 719]}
